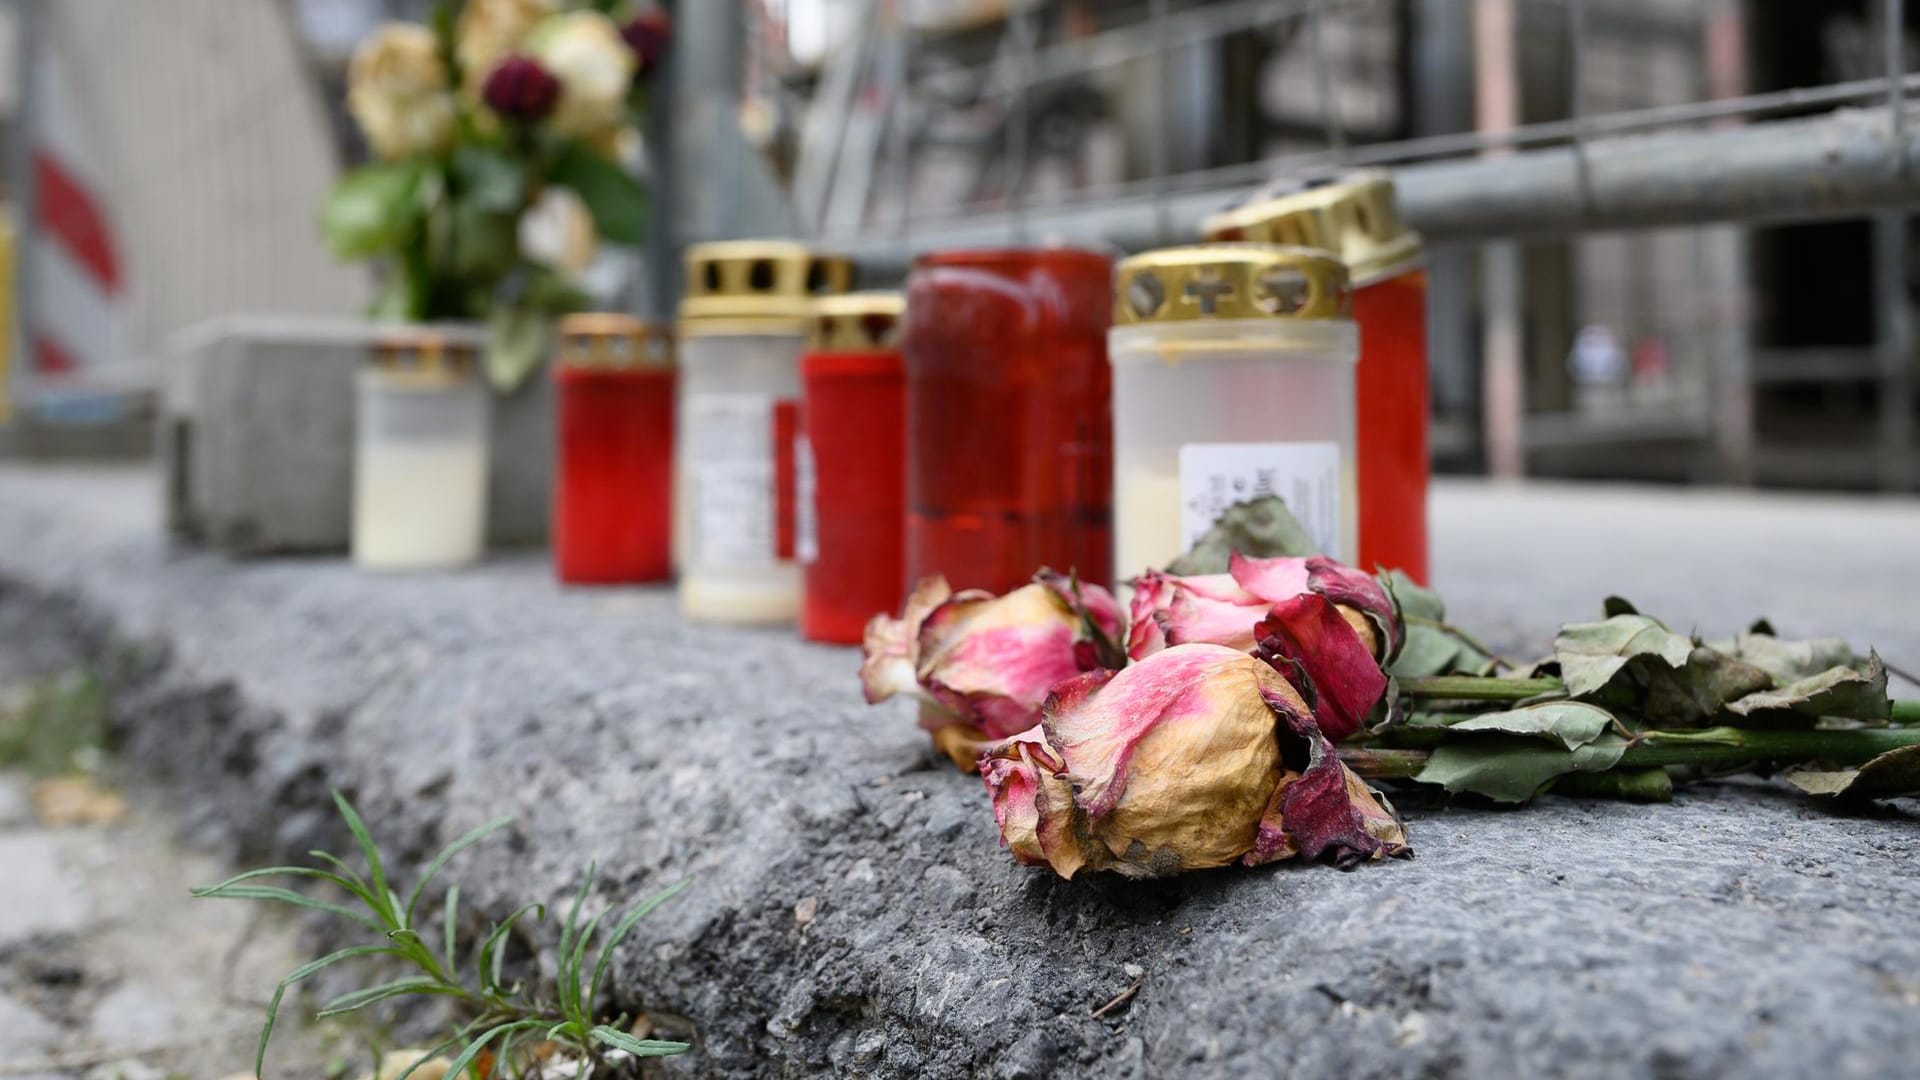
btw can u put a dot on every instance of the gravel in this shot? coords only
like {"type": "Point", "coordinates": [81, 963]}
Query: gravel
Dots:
{"type": "Point", "coordinates": [851, 911]}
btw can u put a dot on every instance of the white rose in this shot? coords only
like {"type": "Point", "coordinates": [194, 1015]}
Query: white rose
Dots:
{"type": "Point", "coordinates": [397, 92]}
{"type": "Point", "coordinates": [584, 50]}
{"type": "Point", "coordinates": [557, 231]}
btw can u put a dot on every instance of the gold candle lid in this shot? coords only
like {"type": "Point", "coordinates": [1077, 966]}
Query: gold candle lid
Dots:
{"type": "Point", "coordinates": [757, 286]}
{"type": "Point", "coordinates": [424, 356]}
{"type": "Point", "coordinates": [867, 322]}
{"type": "Point", "coordinates": [1230, 281]}
{"type": "Point", "coordinates": [1354, 217]}
{"type": "Point", "coordinates": [604, 340]}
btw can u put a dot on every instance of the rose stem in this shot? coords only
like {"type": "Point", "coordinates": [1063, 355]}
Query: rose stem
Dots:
{"type": "Point", "coordinates": [1476, 688]}
{"type": "Point", "coordinates": [1630, 785]}
{"type": "Point", "coordinates": [1709, 746]}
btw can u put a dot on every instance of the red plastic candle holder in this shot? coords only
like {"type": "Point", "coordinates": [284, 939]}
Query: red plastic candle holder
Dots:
{"type": "Point", "coordinates": [851, 466]}
{"type": "Point", "coordinates": [613, 469]}
{"type": "Point", "coordinates": [1009, 416]}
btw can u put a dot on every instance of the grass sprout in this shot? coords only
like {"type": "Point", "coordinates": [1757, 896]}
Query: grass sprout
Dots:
{"type": "Point", "coordinates": [499, 1022]}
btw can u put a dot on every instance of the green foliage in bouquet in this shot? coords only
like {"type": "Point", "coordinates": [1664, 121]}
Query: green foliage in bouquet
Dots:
{"type": "Point", "coordinates": [502, 133]}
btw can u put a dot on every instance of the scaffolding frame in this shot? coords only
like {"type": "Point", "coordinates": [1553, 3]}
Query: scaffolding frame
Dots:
{"type": "Point", "coordinates": [1735, 158]}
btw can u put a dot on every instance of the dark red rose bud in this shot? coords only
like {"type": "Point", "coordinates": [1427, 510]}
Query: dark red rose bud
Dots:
{"type": "Point", "coordinates": [647, 34]}
{"type": "Point", "coordinates": [520, 89]}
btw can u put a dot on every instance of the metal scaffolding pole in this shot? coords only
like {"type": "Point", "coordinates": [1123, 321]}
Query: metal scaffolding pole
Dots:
{"type": "Point", "coordinates": [1503, 385]}
{"type": "Point", "coordinates": [1895, 351]}
{"type": "Point", "coordinates": [1823, 168]}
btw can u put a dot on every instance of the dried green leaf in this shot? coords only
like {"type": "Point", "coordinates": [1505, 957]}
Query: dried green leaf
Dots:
{"type": "Point", "coordinates": [1844, 692]}
{"type": "Point", "coordinates": [1785, 660]}
{"type": "Point", "coordinates": [1430, 647]}
{"type": "Point", "coordinates": [1514, 769]}
{"type": "Point", "coordinates": [1894, 774]}
{"type": "Point", "coordinates": [1572, 724]}
{"type": "Point", "coordinates": [1259, 528]}
{"type": "Point", "coordinates": [1590, 655]}
{"type": "Point", "coordinates": [1694, 695]}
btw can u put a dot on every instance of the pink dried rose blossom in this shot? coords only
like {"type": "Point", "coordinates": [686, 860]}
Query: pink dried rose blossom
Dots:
{"type": "Point", "coordinates": [1198, 756]}
{"type": "Point", "coordinates": [983, 665]}
{"type": "Point", "coordinates": [1327, 627]}
{"type": "Point", "coordinates": [1223, 609]}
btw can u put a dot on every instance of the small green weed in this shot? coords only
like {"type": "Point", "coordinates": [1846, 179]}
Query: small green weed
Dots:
{"type": "Point", "coordinates": [498, 1017]}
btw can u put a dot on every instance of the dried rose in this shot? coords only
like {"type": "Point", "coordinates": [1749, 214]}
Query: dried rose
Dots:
{"type": "Point", "coordinates": [1223, 609]}
{"type": "Point", "coordinates": [397, 93]}
{"type": "Point", "coordinates": [1312, 642]}
{"type": "Point", "coordinates": [1198, 756]}
{"type": "Point", "coordinates": [1329, 628]}
{"type": "Point", "coordinates": [987, 662]}
{"type": "Point", "coordinates": [520, 89]}
{"type": "Point", "coordinates": [1033, 802]}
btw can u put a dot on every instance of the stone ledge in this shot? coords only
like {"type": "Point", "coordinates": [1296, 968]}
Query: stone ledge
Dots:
{"type": "Point", "coordinates": [1739, 929]}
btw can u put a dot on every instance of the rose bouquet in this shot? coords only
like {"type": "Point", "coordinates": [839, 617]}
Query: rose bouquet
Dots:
{"type": "Point", "coordinates": [503, 136]}
{"type": "Point", "coordinates": [1241, 709]}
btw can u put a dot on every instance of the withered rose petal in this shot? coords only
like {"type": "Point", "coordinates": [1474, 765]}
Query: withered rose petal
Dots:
{"type": "Point", "coordinates": [1272, 580]}
{"type": "Point", "coordinates": [1207, 608]}
{"type": "Point", "coordinates": [1172, 760]}
{"type": "Point", "coordinates": [1322, 646]}
{"type": "Point", "coordinates": [1272, 842]}
{"type": "Point", "coordinates": [992, 661]}
{"type": "Point", "coordinates": [891, 651]}
{"type": "Point", "coordinates": [1096, 724]}
{"type": "Point", "coordinates": [1032, 803]}
{"type": "Point", "coordinates": [1356, 589]}
{"type": "Point", "coordinates": [1322, 807]}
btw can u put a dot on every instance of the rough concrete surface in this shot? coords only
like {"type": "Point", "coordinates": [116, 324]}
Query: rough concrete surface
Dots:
{"type": "Point", "coordinates": [109, 969]}
{"type": "Point", "coordinates": [851, 911]}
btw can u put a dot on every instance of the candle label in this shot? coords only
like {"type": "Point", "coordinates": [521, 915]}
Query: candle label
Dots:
{"type": "Point", "coordinates": [1305, 475]}
{"type": "Point", "coordinates": [806, 516]}
{"type": "Point", "coordinates": [730, 461]}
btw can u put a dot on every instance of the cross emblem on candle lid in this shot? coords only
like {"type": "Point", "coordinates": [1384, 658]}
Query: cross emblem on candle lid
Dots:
{"type": "Point", "coordinates": [1231, 281]}
{"type": "Point", "coordinates": [1207, 290]}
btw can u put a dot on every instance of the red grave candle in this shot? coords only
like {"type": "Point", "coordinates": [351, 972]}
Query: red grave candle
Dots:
{"type": "Point", "coordinates": [1009, 415]}
{"type": "Point", "coordinates": [613, 470]}
{"type": "Point", "coordinates": [1356, 219]}
{"type": "Point", "coordinates": [851, 466]}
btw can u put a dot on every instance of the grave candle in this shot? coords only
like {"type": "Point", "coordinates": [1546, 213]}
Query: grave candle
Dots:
{"type": "Point", "coordinates": [420, 455]}
{"type": "Point", "coordinates": [1009, 421]}
{"type": "Point", "coordinates": [613, 482]}
{"type": "Point", "coordinates": [1355, 217]}
{"type": "Point", "coordinates": [743, 324]}
{"type": "Point", "coordinates": [851, 484]}
{"type": "Point", "coordinates": [1232, 379]}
